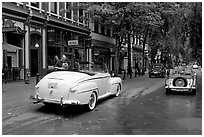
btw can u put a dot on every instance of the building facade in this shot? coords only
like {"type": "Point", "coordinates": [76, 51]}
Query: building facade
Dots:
{"type": "Point", "coordinates": [103, 45]}
{"type": "Point", "coordinates": [35, 32]}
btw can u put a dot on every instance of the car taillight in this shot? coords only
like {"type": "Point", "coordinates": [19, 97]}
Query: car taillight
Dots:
{"type": "Point", "coordinates": [73, 90]}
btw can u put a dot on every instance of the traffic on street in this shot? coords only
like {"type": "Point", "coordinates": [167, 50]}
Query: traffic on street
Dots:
{"type": "Point", "coordinates": [142, 108]}
{"type": "Point", "coordinates": [101, 68]}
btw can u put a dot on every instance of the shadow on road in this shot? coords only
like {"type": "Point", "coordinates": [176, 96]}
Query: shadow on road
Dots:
{"type": "Point", "coordinates": [70, 111]}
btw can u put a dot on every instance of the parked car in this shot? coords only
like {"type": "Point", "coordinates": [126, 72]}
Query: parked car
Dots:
{"type": "Point", "coordinates": [85, 86]}
{"type": "Point", "coordinates": [157, 70]}
{"type": "Point", "coordinates": [181, 80]}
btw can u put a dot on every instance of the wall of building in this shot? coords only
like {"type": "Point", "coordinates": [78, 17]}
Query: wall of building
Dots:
{"type": "Point", "coordinates": [34, 20]}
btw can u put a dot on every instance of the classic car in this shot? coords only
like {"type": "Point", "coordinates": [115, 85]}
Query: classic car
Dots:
{"type": "Point", "coordinates": [84, 86]}
{"type": "Point", "coordinates": [181, 79]}
{"type": "Point", "coordinates": [157, 70]}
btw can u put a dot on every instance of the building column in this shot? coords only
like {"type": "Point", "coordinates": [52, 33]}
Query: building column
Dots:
{"type": "Point", "coordinates": [89, 55]}
{"type": "Point", "coordinates": [44, 53]}
{"type": "Point", "coordinates": [27, 49]}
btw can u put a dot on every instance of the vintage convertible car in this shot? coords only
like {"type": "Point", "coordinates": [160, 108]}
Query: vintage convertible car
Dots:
{"type": "Point", "coordinates": [182, 80]}
{"type": "Point", "coordinates": [84, 86]}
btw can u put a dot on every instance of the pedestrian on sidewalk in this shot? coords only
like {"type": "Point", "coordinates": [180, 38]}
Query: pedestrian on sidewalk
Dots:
{"type": "Point", "coordinates": [62, 64]}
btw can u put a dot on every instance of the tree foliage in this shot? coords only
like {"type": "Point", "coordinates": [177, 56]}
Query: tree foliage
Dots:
{"type": "Point", "coordinates": [168, 26]}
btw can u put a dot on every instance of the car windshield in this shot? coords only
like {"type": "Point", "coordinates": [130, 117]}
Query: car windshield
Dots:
{"type": "Point", "coordinates": [92, 67]}
{"type": "Point", "coordinates": [156, 66]}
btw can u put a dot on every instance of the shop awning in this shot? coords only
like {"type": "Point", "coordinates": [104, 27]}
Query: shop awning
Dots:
{"type": "Point", "coordinates": [15, 30]}
{"type": "Point", "coordinates": [10, 47]}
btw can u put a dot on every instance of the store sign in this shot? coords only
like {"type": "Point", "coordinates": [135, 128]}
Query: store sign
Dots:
{"type": "Point", "coordinates": [72, 42]}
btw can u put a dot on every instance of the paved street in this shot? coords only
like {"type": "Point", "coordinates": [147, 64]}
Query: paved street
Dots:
{"type": "Point", "coordinates": [142, 108]}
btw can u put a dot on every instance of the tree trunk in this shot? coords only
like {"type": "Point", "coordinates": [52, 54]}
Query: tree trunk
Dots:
{"type": "Point", "coordinates": [116, 58]}
{"type": "Point", "coordinates": [143, 54]}
{"type": "Point", "coordinates": [129, 57]}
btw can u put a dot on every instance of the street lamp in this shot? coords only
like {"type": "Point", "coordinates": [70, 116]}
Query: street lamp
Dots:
{"type": "Point", "coordinates": [37, 45]}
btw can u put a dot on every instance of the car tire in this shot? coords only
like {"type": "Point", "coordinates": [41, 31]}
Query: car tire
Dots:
{"type": "Point", "coordinates": [184, 80]}
{"type": "Point", "coordinates": [168, 91]}
{"type": "Point", "coordinates": [193, 92]}
{"type": "Point", "coordinates": [118, 90]}
{"type": "Point", "coordinates": [92, 101]}
{"type": "Point", "coordinates": [150, 76]}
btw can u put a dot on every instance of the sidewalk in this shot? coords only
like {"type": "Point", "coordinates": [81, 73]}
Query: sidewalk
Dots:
{"type": "Point", "coordinates": [17, 92]}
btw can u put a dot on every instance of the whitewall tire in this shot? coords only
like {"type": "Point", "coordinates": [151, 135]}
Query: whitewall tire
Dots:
{"type": "Point", "coordinates": [117, 90]}
{"type": "Point", "coordinates": [92, 101]}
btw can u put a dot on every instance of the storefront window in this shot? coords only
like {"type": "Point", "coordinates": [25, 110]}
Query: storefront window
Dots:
{"type": "Point", "coordinates": [52, 51]}
{"type": "Point", "coordinates": [101, 55]}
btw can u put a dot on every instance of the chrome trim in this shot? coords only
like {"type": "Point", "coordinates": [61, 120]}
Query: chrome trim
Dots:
{"type": "Point", "coordinates": [84, 91]}
{"type": "Point", "coordinates": [55, 101]}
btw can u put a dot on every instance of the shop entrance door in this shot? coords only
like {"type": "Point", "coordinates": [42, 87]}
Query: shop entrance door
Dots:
{"type": "Point", "coordinates": [34, 62]}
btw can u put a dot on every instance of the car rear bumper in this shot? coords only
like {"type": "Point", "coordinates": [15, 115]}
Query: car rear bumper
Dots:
{"type": "Point", "coordinates": [60, 101]}
{"type": "Point", "coordinates": [180, 89]}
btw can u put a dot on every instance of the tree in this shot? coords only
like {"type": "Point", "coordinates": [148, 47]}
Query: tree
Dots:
{"type": "Point", "coordinates": [195, 26]}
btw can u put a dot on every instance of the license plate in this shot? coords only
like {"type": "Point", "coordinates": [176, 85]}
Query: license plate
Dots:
{"type": "Point", "coordinates": [52, 85]}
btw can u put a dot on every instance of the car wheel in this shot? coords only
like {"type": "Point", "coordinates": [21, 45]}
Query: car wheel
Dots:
{"type": "Point", "coordinates": [92, 101]}
{"type": "Point", "coordinates": [118, 90]}
{"type": "Point", "coordinates": [168, 91]}
{"type": "Point", "coordinates": [193, 92]}
{"type": "Point", "coordinates": [150, 76]}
